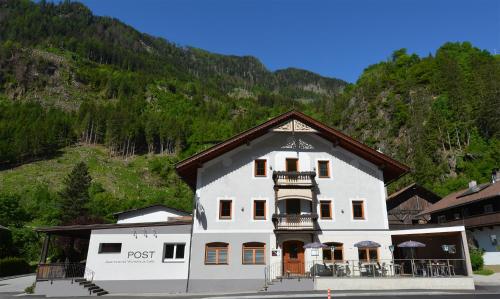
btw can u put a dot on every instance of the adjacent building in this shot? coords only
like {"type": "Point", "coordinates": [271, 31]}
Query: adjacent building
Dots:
{"type": "Point", "coordinates": [405, 206]}
{"type": "Point", "coordinates": [478, 209]}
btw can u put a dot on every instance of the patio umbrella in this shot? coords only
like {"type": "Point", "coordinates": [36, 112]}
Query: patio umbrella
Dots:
{"type": "Point", "coordinates": [411, 244]}
{"type": "Point", "coordinates": [315, 245]}
{"type": "Point", "coordinates": [367, 244]}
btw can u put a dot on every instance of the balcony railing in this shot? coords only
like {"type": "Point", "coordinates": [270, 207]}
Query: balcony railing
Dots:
{"type": "Point", "coordinates": [295, 222]}
{"type": "Point", "coordinates": [57, 271]}
{"type": "Point", "coordinates": [294, 178]}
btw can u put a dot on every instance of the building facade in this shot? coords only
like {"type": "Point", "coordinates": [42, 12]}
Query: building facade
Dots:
{"type": "Point", "coordinates": [259, 202]}
{"type": "Point", "coordinates": [288, 198]}
{"type": "Point", "coordinates": [478, 209]}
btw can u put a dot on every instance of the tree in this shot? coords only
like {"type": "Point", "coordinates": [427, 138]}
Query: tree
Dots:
{"type": "Point", "coordinates": [75, 195]}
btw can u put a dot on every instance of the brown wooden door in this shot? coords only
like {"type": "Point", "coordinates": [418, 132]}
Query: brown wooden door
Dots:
{"type": "Point", "coordinates": [293, 257]}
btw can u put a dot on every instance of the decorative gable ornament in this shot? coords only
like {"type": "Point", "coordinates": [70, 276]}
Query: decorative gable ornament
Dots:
{"type": "Point", "coordinates": [294, 126]}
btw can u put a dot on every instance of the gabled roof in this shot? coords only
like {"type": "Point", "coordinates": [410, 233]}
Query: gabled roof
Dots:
{"type": "Point", "coordinates": [176, 211]}
{"type": "Point", "coordinates": [392, 169]}
{"type": "Point", "coordinates": [407, 192]}
{"type": "Point", "coordinates": [455, 199]}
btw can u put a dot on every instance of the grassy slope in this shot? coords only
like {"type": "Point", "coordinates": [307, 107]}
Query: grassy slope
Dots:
{"type": "Point", "coordinates": [130, 179]}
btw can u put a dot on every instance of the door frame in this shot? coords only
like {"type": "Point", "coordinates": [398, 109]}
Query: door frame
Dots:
{"type": "Point", "coordinates": [300, 257]}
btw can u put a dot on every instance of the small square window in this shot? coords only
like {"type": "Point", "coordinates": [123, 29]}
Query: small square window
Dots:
{"type": "Point", "coordinates": [259, 209]}
{"type": "Point", "coordinates": [260, 167]}
{"type": "Point", "coordinates": [110, 247]}
{"type": "Point", "coordinates": [225, 209]}
{"type": "Point", "coordinates": [324, 169]}
{"type": "Point", "coordinates": [173, 251]}
{"type": "Point", "coordinates": [325, 209]}
{"type": "Point", "coordinates": [488, 208]}
{"type": "Point", "coordinates": [358, 210]}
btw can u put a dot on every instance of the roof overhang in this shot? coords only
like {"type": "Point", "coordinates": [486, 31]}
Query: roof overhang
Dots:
{"type": "Point", "coordinates": [392, 169]}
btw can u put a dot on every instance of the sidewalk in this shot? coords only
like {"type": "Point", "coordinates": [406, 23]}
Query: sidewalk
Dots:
{"type": "Point", "coordinates": [487, 280]}
{"type": "Point", "coordinates": [16, 284]}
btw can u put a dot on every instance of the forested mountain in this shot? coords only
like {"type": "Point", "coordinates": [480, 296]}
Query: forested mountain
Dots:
{"type": "Point", "coordinates": [74, 86]}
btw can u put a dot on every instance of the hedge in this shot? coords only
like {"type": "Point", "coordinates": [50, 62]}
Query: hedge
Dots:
{"type": "Point", "coordinates": [14, 266]}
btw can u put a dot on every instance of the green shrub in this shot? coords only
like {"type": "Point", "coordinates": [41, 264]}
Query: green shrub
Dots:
{"type": "Point", "coordinates": [14, 266]}
{"type": "Point", "coordinates": [30, 289]}
{"type": "Point", "coordinates": [476, 259]}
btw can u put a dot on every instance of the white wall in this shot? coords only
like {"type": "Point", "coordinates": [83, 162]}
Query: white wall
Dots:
{"type": "Point", "coordinates": [483, 237]}
{"type": "Point", "coordinates": [123, 266]}
{"type": "Point", "coordinates": [152, 214]}
{"type": "Point", "coordinates": [231, 176]}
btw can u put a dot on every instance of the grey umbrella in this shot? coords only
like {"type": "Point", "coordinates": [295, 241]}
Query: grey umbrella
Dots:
{"type": "Point", "coordinates": [367, 244]}
{"type": "Point", "coordinates": [315, 245]}
{"type": "Point", "coordinates": [411, 244]}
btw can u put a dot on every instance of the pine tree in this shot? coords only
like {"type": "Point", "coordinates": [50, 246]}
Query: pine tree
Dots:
{"type": "Point", "coordinates": [75, 195]}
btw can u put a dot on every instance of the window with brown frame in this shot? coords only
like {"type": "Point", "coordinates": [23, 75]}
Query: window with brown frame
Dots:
{"type": "Point", "coordinates": [358, 209]}
{"type": "Point", "coordinates": [254, 253]}
{"type": "Point", "coordinates": [259, 209]}
{"type": "Point", "coordinates": [225, 209]}
{"type": "Point", "coordinates": [338, 253]}
{"type": "Point", "coordinates": [292, 164]}
{"type": "Point", "coordinates": [216, 253]}
{"type": "Point", "coordinates": [325, 209]}
{"type": "Point", "coordinates": [324, 169]}
{"type": "Point", "coordinates": [368, 254]}
{"type": "Point", "coordinates": [260, 167]}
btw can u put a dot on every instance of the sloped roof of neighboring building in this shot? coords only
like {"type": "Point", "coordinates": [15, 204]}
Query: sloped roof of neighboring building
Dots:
{"type": "Point", "coordinates": [87, 228]}
{"type": "Point", "coordinates": [392, 169]}
{"type": "Point", "coordinates": [3, 227]}
{"type": "Point", "coordinates": [407, 192]}
{"type": "Point", "coordinates": [176, 211]}
{"type": "Point", "coordinates": [458, 198]}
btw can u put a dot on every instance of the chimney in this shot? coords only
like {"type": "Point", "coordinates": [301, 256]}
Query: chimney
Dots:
{"type": "Point", "coordinates": [472, 184]}
{"type": "Point", "coordinates": [495, 175]}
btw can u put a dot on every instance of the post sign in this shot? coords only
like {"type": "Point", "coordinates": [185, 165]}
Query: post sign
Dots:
{"type": "Point", "coordinates": [276, 252]}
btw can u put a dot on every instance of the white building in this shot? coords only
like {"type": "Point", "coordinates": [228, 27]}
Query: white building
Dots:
{"type": "Point", "coordinates": [261, 197]}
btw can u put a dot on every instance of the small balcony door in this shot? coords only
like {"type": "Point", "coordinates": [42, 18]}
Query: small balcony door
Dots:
{"type": "Point", "coordinates": [292, 164]}
{"type": "Point", "coordinates": [293, 257]}
{"type": "Point", "coordinates": [292, 206]}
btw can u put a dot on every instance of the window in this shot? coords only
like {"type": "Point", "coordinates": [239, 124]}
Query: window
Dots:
{"type": "Point", "coordinates": [110, 247]}
{"type": "Point", "coordinates": [216, 253]}
{"type": "Point", "coordinates": [338, 253]}
{"type": "Point", "coordinates": [292, 164]}
{"type": "Point", "coordinates": [488, 208]}
{"type": "Point", "coordinates": [368, 254]}
{"type": "Point", "coordinates": [260, 167]}
{"type": "Point", "coordinates": [358, 210]}
{"type": "Point", "coordinates": [456, 216]}
{"type": "Point", "coordinates": [441, 218]}
{"type": "Point", "coordinates": [174, 251]}
{"type": "Point", "coordinates": [254, 253]}
{"type": "Point", "coordinates": [324, 169]}
{"type": "Point", "coordinates": [259, 209]}
{"type": "Point", "coordinates": [325, 209]}
{"type": "Point", "coordinates": [225, 209]}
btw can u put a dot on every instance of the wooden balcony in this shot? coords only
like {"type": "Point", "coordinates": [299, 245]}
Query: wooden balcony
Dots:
{"type": "Point", "coordinates": [294, 178]}
{"type": "Point", "coordinates": [294, 221]}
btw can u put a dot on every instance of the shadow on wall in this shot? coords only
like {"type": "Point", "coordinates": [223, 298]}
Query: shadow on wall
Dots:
{"type": "Point", "coordinates": [200, 214]}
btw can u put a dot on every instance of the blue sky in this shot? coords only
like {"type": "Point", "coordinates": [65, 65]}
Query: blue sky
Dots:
{"type": "Point", "coordinates": [333, 38]}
